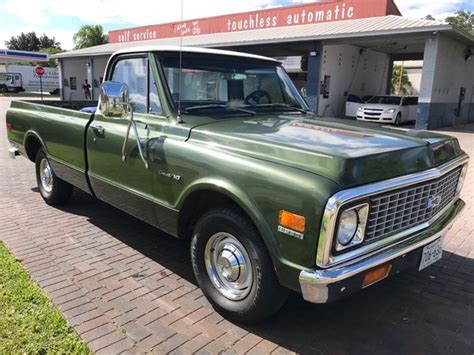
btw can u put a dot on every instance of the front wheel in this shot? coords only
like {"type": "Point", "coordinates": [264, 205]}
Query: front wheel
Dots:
{"type": "Point", "coordinates": [233, 268]}
{"type": "Point", "coordinates": [398, 120]}
{"type": "Point", "coordinates": [53, 190]}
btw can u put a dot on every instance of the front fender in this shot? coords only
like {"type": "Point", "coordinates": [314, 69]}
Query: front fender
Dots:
{"type": "Point", "coordinates": [289, 255]}
{"type": "Point", "coordinates": [241, 198]}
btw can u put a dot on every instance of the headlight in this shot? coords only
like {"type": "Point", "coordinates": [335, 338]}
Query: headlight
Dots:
{"type": "Point", "coordinates": [351, 227]}
{"type": "Point", "coordinates": [391, 110]}
{"type": "Point", "coordinates": [360, 109]}
{"type": "Point", "coordinates": [347, 227]}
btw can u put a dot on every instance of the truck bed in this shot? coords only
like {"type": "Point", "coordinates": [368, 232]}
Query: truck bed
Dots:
{"type": "Point", "coordinates": [70, 105]}
{"type": "Point", "coordinates": [59, 127]}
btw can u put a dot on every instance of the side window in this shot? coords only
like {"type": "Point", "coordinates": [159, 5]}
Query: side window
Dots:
{"type": "Point", "coordinates": [410, 101]}
{"type": "Point", "coordinates": [354, 98]}
{"type": "Point", "coordinates": [405, 101]}
{"type": "Point", "coordinates": [155, 106]}
{"type": "Point", "coordinates": [134, 73]}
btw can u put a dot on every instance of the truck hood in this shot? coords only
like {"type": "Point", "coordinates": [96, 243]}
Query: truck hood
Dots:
{"type": "Point", "coordinates": [348, 152]}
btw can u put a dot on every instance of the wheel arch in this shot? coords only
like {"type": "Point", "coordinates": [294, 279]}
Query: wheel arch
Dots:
{"type": "Point", "coordinates": [210, 193]}
{"type": "Point", "coordinates": [32, 144]}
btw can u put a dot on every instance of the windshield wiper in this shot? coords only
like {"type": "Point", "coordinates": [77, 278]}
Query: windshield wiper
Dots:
{"type": "Point", "coordinates": [302, 110]}
{"type": "Point", "coordinates": [233, 108]}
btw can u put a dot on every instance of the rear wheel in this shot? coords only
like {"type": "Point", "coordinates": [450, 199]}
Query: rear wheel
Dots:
{"type": "Point", "coordinates": [233, 268]}
{"type": "Point", "coordinates": [53, 190]}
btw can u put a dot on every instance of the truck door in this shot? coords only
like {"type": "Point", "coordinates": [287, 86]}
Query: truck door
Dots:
{"type": "Point", "coordinates": [123, 180]}
{"type": "Point", "coordinates": [17, 78]}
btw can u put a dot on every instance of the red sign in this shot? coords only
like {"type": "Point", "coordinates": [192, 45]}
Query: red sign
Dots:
{"type": "Point", "coordinates": [312, 13]}
{"type": "Point", "coordinates": [39, 71]}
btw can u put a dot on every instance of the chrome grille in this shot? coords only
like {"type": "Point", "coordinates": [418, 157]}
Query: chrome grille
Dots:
{"type": "Point", "coordinates": [396, 211]}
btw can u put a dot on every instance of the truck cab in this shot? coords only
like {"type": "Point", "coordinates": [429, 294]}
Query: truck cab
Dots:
{"type": "Point", "coordinates": [11, 82]}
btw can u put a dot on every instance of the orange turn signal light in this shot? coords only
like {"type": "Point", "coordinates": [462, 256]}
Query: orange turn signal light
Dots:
{"type": "Point", "coordinates": [291, 220]}
{"type": "Point", "coordinates": [376, 275]}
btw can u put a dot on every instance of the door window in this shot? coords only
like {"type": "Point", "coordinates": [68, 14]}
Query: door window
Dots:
{"type": "Point", "coordinates": [142, 88]}
{"type": "Point", "coordinates": [134, 73]}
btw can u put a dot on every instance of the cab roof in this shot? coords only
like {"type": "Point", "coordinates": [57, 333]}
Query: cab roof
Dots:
{"type": "Point", "coordinates": [141, 49]}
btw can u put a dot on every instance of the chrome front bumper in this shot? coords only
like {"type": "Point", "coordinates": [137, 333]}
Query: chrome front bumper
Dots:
{"type": "Point", "coordinates": [13, 152]}
{"type": "Point", "coordinates": [325, 285]}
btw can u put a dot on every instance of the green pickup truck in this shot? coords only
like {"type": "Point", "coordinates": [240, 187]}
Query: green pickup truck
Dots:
{"type": "Point", "coordinates": [219, 148]}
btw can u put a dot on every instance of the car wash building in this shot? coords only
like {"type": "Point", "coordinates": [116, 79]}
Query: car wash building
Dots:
{"type": "Point", "coordinates": [333, 51]}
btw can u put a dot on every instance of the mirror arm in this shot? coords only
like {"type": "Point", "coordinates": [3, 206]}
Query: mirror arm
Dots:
{"type": "Point", "coordinates": [124, 146]}
{"type": "Point", "coordinates": [133, 124]}
{"type": "Point", "coordinates": [139, 144]}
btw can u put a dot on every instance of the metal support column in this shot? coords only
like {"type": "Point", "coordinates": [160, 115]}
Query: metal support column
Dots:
{"type": "Point", "coordinates": [313, 77]}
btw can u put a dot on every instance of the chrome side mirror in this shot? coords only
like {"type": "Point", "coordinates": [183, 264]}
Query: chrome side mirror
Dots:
{"type": "Point", "coordinates": [114, 100]}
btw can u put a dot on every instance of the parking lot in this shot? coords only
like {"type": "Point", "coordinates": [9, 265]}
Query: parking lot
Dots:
{"type": "Point", "coordinates": [126, 287]}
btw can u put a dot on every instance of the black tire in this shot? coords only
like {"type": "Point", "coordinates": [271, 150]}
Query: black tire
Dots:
{"type": "Point", "coordinates": [398, 120]}
{"type": "Point", "coordinates": [60, 191]}
{"type": "Point", "coordinates": [265, 295]}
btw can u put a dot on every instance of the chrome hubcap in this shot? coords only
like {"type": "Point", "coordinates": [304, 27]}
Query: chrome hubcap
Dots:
{"type": "Point", "coordinates": [228, 266]}
{"type": "Point", "coordinates": [46, 175]}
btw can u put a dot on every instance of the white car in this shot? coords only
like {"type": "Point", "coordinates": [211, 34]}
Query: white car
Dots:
{"type": "Point", "coordinates": [389, 109]}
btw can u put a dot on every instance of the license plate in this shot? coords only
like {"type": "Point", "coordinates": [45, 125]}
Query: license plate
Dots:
{"type": "Point", "coordinates": [431, 254]}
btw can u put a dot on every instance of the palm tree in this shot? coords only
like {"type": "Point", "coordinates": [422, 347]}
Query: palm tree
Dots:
{"type": "Point", "coordinates": [89, 36]}
{"type": "Point", "coordinates": [401, 84]}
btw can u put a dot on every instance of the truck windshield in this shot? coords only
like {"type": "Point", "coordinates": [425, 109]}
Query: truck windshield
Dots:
{"type": "Point", "coordinates": [385, 100]}
{"type": "Point", "coordinates": [229, 85]}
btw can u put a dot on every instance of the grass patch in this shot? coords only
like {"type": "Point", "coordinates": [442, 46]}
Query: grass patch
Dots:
{"type": "Point", "coordinates": [29, 322]}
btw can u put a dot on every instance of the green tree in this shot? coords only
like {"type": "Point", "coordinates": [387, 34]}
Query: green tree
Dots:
{"type": "Point", "coordinates": [89, 36]}
{"type": "Point", "coordinates": [401, 84]}
{"type": "Point", "coordinates": [429, 17]}
{"type": "Point", "coordinates": [463, 20]}
{"type": "Point", "coordinates": [52, 63]}
{"type": "Point", "coordinates": [31, 42]}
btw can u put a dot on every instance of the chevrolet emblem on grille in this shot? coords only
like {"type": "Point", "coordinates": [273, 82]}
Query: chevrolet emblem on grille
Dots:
{"type": "Point", "coordinates": [433, 201]}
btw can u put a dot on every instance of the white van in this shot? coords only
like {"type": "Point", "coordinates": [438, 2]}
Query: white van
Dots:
{"type": "Point", "coordinates": [389, 109]}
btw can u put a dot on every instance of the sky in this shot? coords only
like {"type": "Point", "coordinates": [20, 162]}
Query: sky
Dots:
{"type": "Point", "coordinates": [62, 18]}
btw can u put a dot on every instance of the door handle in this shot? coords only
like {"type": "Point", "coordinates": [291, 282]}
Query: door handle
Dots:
{"type": "Point", "coordinates": [98, 128]}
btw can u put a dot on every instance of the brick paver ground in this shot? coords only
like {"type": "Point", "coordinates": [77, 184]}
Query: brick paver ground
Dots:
{"type": "Point", "coordinates": [127, 288]}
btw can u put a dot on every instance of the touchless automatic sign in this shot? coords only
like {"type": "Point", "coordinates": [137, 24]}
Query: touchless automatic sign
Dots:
{"type": "Point", "coordinates": [320, 12]}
